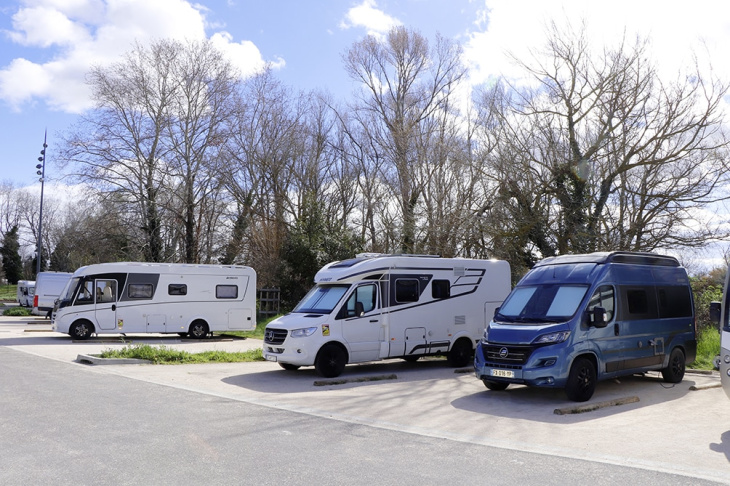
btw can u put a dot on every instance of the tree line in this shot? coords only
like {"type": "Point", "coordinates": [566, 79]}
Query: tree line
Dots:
{"type": "Point", "coordinates": [185, 161]}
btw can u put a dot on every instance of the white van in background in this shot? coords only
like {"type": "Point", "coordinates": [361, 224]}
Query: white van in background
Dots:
{"type": "Point", "coordinates": [26, 291]}
{"type": "Point", "coordinates": [379, 306]}
{"type": "Point", "coordinates": [48, 286]}
{"type": "Point", "coordinates": [129, 297]}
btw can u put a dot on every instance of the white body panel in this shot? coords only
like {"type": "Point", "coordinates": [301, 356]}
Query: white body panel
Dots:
{"type": "Point", "coordinates": [161, 298]}
{"type": "Point", "coordinates": [422, 306]}
{"type": "Point", "coordinates": [48, 286]}
{"type": "Point", "coordinates": [26, 291]}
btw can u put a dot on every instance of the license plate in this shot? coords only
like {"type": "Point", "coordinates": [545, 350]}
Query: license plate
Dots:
{"type": "Point", "coordinates": [270, 357]}
{"type": "Point", "coordinates": [503, 373]}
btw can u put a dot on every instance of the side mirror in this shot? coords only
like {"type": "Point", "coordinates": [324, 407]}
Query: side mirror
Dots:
{"type": "Point", "coordinates": [715, 312]}
{"type": "Point", "coordinates": [597, 317]}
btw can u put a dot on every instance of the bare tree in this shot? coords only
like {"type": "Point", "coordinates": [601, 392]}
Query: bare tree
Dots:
{"type": "Point", "coordinates": [405, 83]}
{"type": "Point", "coordinates": [603, 154]}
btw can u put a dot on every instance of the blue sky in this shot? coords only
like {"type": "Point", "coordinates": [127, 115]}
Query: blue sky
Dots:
{"type": "Point", "coordinates": [46, 46]}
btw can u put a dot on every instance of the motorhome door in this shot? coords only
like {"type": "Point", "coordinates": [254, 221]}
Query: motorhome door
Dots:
{"type": "Point", "coordinates": [106, 303]}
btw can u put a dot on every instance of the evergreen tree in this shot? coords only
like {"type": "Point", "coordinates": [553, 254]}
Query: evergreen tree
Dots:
{"type": "Point", "coordinates": [10, 252]}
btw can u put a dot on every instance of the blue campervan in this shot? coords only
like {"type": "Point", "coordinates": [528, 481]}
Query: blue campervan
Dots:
{"type": "Point", "coordinates": [574, 320]}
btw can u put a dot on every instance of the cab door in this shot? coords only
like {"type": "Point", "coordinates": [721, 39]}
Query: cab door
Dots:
{"type": "Point", "coordinates": [105, 294]}
{"type": "Point", "coordinates": [360, 318]}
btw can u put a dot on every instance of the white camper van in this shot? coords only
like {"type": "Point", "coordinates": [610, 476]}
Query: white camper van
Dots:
{"type": "Point", "coordinates": [379, 306]}
{"type": "Point", "coordinates": [48, 286]}
{"type": "Point", "coordinates": [26, 291]}
{"type": "Point", "coordinates": [126, 297]}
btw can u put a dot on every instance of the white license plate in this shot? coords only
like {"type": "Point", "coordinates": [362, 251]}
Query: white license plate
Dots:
{"type": "Point", "coordinates": [503, 373]}
{"type": "Point", "coordinates": [270, 357]}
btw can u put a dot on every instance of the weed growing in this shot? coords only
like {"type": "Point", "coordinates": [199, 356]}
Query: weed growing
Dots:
{"type": "Point", "coordinates": [166, 355]}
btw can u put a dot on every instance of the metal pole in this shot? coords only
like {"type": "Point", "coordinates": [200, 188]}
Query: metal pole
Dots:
{"type": "Point", "coordinates": [42, 173]}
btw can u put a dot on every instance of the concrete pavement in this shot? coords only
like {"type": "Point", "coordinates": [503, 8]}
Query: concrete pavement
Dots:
{"type": "Point", "coordinates": [669, 428]}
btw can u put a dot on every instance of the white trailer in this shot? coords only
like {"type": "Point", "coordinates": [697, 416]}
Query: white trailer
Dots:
{"type": "Point", "coordinates": [130, 297]}
{"type": "Point", "coordinates": [379, 306]}
{"type": "Point", "coordinates": [26, 291]}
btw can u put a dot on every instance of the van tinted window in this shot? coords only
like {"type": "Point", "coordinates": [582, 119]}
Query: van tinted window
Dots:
{"type": "Point", "coordinates": [406, 290]}
{"type": "Point", "coordinates": [440, 289]}
{"type": "Point", "coordinates": [640, 303]}
{"type": "Point", "coordinates": [177, 289]}
{"type": "Point", "coordinates": [674, 301]}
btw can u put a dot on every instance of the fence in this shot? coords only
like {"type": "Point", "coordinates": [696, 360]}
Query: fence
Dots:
{"type": "Point", "coordinates": [269, 301]}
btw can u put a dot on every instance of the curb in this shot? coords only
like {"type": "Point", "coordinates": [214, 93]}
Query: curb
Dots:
{"type": "Point", "coordinates": [95, 360]}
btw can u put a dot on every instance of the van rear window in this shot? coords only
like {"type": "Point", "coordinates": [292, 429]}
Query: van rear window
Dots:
{"type": "Point", "coordinates": [226, 291]}
{"type": "Point", "coordinates": [674, 301]}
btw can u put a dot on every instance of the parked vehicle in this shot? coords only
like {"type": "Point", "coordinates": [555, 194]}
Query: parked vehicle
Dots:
{"type": "Point", "coordinates": [720, 313]}
{"type": "Point", "coordinates": [129, 297]}
{"type": "Point", "coordinates": [48, 286]}
{"type": "Point", "coordinates": [26, 291]}
{"type": "Point", "coordinates": [378, 306]}
{"type": "Point", "coordinates": [576, 319]}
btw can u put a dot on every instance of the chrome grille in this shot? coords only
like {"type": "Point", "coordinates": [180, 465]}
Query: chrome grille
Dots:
{"type": "Point", "coordinates": [275, 336]}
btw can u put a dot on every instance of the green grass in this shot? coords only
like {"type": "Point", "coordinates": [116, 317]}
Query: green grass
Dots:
{"type": "Point", "coordinates": [9, 292]}
{"type": "Point", "coordinates": [708, 346]}
{"type": "Point", "coordinates": [14, 311]}
{"type": "Point", "coordinates": [166, 355]}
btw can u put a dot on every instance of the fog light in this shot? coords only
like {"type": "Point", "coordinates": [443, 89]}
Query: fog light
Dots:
{"type": "Point", "coordinates": [549, 362]}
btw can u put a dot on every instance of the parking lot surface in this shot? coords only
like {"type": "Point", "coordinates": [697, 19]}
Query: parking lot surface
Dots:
{"type": "Point", "coordinates": [682, 429]}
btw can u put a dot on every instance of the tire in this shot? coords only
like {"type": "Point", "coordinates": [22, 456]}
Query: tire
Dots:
{"type": "Point", "coordinates": [411, 358]}
{"type": "Point", "coordinates": [289, 366]}
{"type": "Point", "coordinates": [182, 334]}
{"type": "Point", "coordinates": [495, 385]}
{"type": "Point", "coordinates": [461, 354]}
{"type": "Point", "coordinates": [198, 329]}
{"type": "Point", "coordinates": [581, 380]}
{"type": "Point", "coordinates": [81, 330]}
{"type": "Point", "coordinates": [330, 361]}
{"type": "Point", "coordinates": [674, 372]}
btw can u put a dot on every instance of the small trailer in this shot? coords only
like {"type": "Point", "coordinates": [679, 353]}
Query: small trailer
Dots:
{"type": "Point", "coordinates": [378, 306]}
{"type": "Point", "coordinates": [129, 297]}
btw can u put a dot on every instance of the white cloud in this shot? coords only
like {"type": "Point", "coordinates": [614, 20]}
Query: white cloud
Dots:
{"type": "Point", "coordinates": [80, 33]}
{"type": "Point", "coordinates": [367, 15]}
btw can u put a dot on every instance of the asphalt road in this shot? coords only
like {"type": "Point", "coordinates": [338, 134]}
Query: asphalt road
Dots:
{"type": "Point", "coordinates": [62, 422]}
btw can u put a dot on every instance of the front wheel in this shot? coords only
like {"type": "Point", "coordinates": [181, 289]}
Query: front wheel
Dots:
{"type": "Point", "coordinates": [581, 380]}
{"type": "Point", "coordinates": [461, 353]}
{"type": "Point", "coordinates": [81, 330]}
{"type": "Point", "coordinates": [331, 361]}
{"type": "Point", "coordinates": [674, 373]}
{"type": "Point", "coordinates": [289, 366]}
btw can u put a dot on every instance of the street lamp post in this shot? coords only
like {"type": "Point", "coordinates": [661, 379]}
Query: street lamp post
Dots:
{"type": "Point", "coordinates": [41, 172]}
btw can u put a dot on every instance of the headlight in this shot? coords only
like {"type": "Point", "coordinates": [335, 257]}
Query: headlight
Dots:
{"type": "Point", "coordinates": [307, 331]}
{"type": "Point", "coordinates": [552, 338]}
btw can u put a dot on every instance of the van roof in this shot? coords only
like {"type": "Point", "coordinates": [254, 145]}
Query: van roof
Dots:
{"type": "Point", "coordinates": [628, 257]}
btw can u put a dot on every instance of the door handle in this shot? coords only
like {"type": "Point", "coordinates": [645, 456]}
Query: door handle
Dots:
{"type": "Point", "coordinates": [373, 320]}
{"type": "Point", "coordinates": [114, 307]}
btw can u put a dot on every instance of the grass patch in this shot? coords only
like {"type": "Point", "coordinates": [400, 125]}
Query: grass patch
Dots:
{"type": "Point", "coordinates": [15, 311]}
{"type": "Point", "coordinates": [9, 292]}
{"type": "Point", "coordinates": [708, 346]}
{"type": "Point", "coordinates": [166, 355]}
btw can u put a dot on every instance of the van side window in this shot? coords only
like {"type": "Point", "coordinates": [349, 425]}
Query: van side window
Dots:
{"type": "Point", "coordinates": [674, 301]}
{"type": "Point", "coordinates": [406, 290]}
{"type": "Point", "coordinates": [86, 293]}
{"type": "Point", "coordinates": [106, 291]}
{"type": "Point", "coordinates": [640, 303]}
{"type": "Point", "coordinates": [441, 289]}
{"type": "Point", "coordinates": [177, 289]}
{"type": "Point", "coordinates": [140, 291]}
{"type": "Point", "coordinates": [226, 291]}
{"type": "Point", "coordinates": [362, 300]}
{"type": "Point", "coordinates": [604, 297]}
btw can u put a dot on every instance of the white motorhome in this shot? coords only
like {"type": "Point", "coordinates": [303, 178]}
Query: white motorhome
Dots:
{"type": "Point", "coordinates": [26, 291]}
{"type": "Point", "coordinates": [129, 297]}
{"type": "Point", "coordinates": [48, 286]}
{"type": "Point", "coordinates": [379, 306]}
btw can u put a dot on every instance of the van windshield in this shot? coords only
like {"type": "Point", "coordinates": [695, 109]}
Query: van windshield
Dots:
{"type": "Point", "coordinates": [542, 303]}
{"type": "Point", "coordinates": [322, 299]}
{"type": "Point", "coordinates": [68, 291]}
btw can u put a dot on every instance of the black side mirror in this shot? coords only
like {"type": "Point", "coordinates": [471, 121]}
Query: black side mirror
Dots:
{"type": "Point", "coordinates": [597, 317]}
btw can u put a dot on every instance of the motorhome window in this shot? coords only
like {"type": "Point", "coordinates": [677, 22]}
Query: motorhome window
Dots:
{"type": "Point", "coordinates": [542, 303]}
{"type": "Point", "coordinates": [674, 301]}
{"type": "Point", "coordinates": [406, 290]}
{"type": "Point", "coordinates": [140, 291]}
{"type": "Point", "coordinates": [177, 289]}
{"type": "Point", "coordinates": [86, 291]}
{"type": "Point", "coordinates": [604, 297]}
{"type": "Point", "coordinates": [321, 299]}
{"type": "Point", "coordinates": [441, 289]}
{"type": "Point", "coordinates": [226, 291]}
{"type": "Point", "coordinates": [361, 300]}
